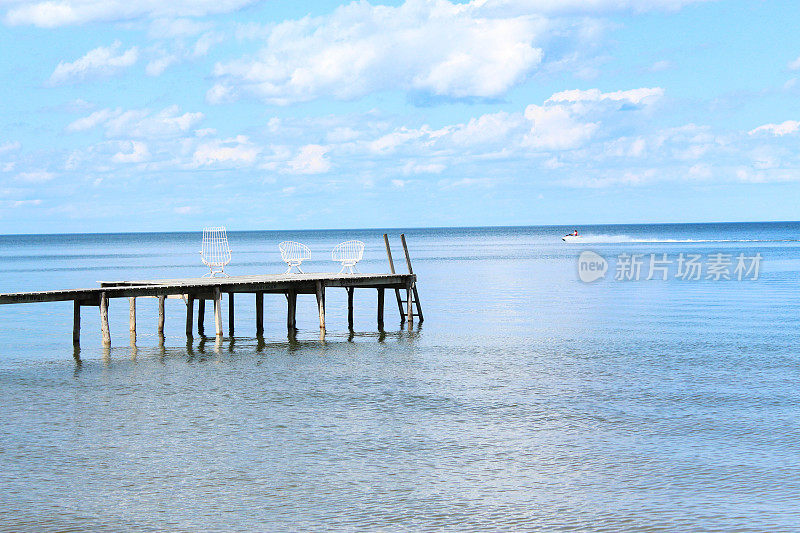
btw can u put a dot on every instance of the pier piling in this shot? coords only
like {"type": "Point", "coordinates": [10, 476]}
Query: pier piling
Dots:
{"type": "Point", "coordinates": [104, 331]}
{"type": "Point", "coordinates": [76, 323]}
{"type": "Point", "coordinates": [291, 300]}
{"type": "Point", "coordinates": [189, 315]}
{"type": "Point", "coordinates": [132, 319]}
{"type": "Point", "coordinates": [259, 314]}
{"type": "Point", "coordinates": [161, 317]}
{"type": "Point", "coordinates": [380, 309]}
{"type": "Point", "coordinates": [217, 312]}
{"type": "Point", "coordinates": [321, 305]}
{"type": "Point", "coordinates": [201, 315]}
{"type": "Point", "coordinates": [230, 314]}
{"type": "Point", "coordinates": [350, 291]}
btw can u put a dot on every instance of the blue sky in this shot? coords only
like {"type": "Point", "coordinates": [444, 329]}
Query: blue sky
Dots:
{"type": "Point", "coordinates": [155, 116]}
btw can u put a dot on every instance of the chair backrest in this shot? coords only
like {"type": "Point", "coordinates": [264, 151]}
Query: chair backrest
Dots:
{"type": "Point", "coordinates": [292, 251]}
{"type": "Point", "coordinates": [349, 252]}
{"type": "Point", "coordinates": [215, 251]}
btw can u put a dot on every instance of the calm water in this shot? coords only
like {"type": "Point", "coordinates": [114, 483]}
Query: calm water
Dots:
{"type": "Point", "coordinates": [528, 400]}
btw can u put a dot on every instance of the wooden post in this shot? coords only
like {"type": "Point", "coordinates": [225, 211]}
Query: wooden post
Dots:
{"type": "Point", "coordinates": [259, 314]}
{"type": "Point", "coordinates": [380, 308]}
{"type": "Point", "coordinates": [411, 271]}
{"type": "Point", "coordinates": [106, 333]}
{"type": "Point", "coordinates": [201, 314]}
{"type": "Point", "coordinates": [217, 312]}
{"type": "Point", "coordinates": [291, 298]}
{"type": "Point", "coordinates": [161, 300]}
{"type": "Point", "coordinates": [391, 267]}
{"type": "Point", "coordinates": [230, 314]}
{"type": "Point", "coordinates": [76, 323]}
{"type": "Point", "coordinates": [321, 305]}
{"type": "Point", "coordinates": [388, 252]}
{"type": "Point", "coordinates": [189, 314]}
{"type": "Point", "coordinates": [132, 318]}
{"type": "Point", "coordinates": [405, 250]}
{"type": "Point", "coordinates": [350, 291]}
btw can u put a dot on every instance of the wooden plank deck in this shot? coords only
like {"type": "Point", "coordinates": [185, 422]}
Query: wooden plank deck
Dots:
{"type": "Point", "coordinates": [277, 283]}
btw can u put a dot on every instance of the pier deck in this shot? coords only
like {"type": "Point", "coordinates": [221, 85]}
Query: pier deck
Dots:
{"type": "Point", "coordinates": [202, 289]}
{"type": "Point", "coordinates": [212, 288]}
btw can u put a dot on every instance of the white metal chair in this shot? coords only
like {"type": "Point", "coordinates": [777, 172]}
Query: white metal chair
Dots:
{"type": "Point", "coordinates": [293, 254]}
{"type": "Point", "coordinates": [348, 254]}
{"type": "Point", "coordinates": [215, 251]}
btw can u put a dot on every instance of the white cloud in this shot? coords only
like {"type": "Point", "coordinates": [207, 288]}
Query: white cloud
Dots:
{"type": "Point", "coordinates": [337, 135]}
{"type": "Point", "coordinates": [626, 147]}
{"type": "Point", "coordinates": [794, 65]}
{"type": "Point", "coordinates": [236, 151]}
{"type": "Point", "coordinates": [391, 141]}
{"type": "Point", "coordinates": [557, 128]}
{"type": "Point", "coordinates": [205, 42]}
{"type": "Point", "coordinates": [661, 66]}
{"type": "Point", "coordinates": [9, 147]}
{"type": "Point", "coordinates": [419, 168]}
{"type": "Point", "coordinates": [488, 129]}
{"type": "Point", "coordinates": [181, 27]}
{"type": "Point", "coordinates": [567, 121]}
{"type": "Point", "coordinates": [466, 182]}
{"type": "Point", "coordinates": [25, 203]}
{"type": "Point", "coordinates": [429, 46]}
{"type": "Point", "coordinates": [131, 152]}
{"type": "Point", "coordinates": [587, 7]}
{"type": "Point", "coordinates": [634, 96]}
{"type": "Point", "coordinates": [36, 176]}
{"type": "Point", "coordinates": [310, 160]}
{"type": "Point", "coordinates": [220, 93]}
{"type": "Point", "coordinates": [138, 123]}
{"type": "Point", "coordinates": [157, 66]}
{"type": "Point", "coordinates": [55, 13]}
{"type": "Point", "coordinates": [784, 128]}
{"type": "Point", "coordinates": [700, 171]}
{"type": "Point", "coordinates": [610, 179]}
{"type": "Point", "coordinates": [102, 61]}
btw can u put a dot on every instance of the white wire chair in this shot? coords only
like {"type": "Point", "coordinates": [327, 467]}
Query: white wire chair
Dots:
{"type": "Point", "coordinates": [348, 254]}
{"type": "Point", "coordinates": [215, 252]}
{"type": "Point", "coordinates": [293, 254]}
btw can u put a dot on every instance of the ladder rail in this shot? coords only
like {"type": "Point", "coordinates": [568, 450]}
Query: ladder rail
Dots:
{"type": "Point", "coordinates": [411, 271]}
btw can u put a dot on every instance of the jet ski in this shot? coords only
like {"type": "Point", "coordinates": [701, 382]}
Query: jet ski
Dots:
{"type": "Point", "coordinates": [571, 237]}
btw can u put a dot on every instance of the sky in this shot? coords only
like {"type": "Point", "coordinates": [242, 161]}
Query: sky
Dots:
{"type": "Point", "coordinates": [170, 116]}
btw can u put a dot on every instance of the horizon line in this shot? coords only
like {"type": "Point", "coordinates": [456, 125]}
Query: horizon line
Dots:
{"type": "Point", "coordinates": [412, 228]}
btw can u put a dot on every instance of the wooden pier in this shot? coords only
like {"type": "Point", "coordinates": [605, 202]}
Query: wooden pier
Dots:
{"type": "Point", "coordinates": [200, 290]}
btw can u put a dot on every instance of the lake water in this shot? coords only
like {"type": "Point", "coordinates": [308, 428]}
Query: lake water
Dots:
{"type": "Point", "coordinates": [527, 400]}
